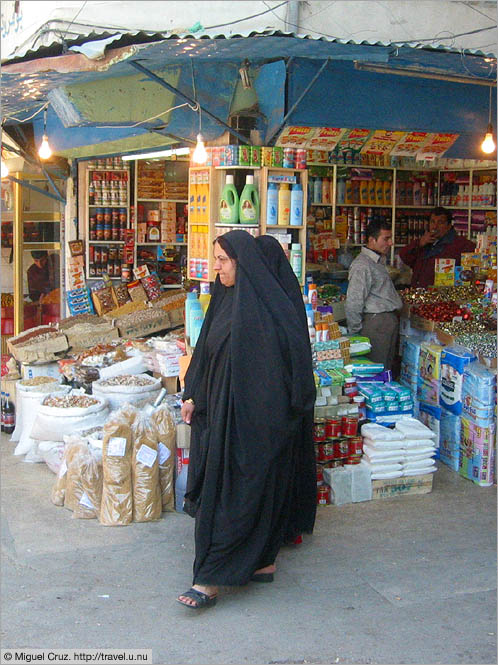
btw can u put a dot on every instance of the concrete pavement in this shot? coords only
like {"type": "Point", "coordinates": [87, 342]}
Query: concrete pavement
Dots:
{"type": "Point", "coordinates": [402, 580]}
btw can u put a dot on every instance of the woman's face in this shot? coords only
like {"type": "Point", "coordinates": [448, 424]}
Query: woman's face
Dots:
{"type": "Point", "coordinates": [224, 266]}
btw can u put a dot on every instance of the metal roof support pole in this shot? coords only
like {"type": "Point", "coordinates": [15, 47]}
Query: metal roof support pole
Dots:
{"type": "Point", "coordinates": [299, 100]}
{"type": "Point", "coordinates": [26, 156]}
{"type": "Point", "coordinates": [58, 198]}
{"type": "Point", "coordinates": [171, 88]}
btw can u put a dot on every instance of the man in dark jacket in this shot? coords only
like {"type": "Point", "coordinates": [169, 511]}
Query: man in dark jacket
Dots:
{"type": "Point", "coordinates": [441, 241]}
{"type": "Point", "coordinates": [42, 274]}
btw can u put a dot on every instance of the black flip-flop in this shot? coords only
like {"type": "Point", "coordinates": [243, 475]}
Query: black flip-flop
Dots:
{"type": "Point", "coordinates": [201, 599]}
{"type": "Point", "coordinates": [262, 577]}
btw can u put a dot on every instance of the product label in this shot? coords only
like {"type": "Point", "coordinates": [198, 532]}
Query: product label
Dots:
{"type": "Point", "coordinates": [85, 501]}
{"type": "Point", "coordinates": [146, 456]}
{"type": "Point", "coordinates": [116, 446]}
{"type": "Point", "coordinates": [164, 453]}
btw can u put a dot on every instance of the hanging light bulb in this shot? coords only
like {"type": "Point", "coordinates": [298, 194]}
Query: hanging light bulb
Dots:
{"type": "Point", "coordinates": [488, 145]}
{"type": "Point", "coordinates": [200, 154]}
{"type": "Point", "coordinates": [5, 170]}
{"type": "Point", "coordinates": [45, 151]}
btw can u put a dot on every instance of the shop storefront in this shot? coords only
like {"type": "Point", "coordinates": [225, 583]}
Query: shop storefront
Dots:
{"type": "Point", "coordinates": [138, 243]}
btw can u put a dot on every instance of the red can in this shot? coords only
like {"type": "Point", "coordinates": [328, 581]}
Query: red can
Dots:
{"type": "Point", "coordinates": [323, 495]}
{"type": "Point", "coordinates": [328, 449]}
{"type": "Point", "coordinates": [341, 449]}
{"type": "Point", "coordinates": [289, 158]}
{"type": "Point", "coordinates": [319, 473]}
{"type": "Point", "coordinates": [319, 430]}
{"type": "Point", "coordinates": [333, 428]}
{"type": "Point", "coordinates": [355, 445]}
{"type": "Point", "coordinates": [300, 158]}
{"type": "Point", "coordinates": [353, 459]}
{"type": "Point", "coordinates": [319, 452]}
{"type": "Point", "coordinates": [350, 425]}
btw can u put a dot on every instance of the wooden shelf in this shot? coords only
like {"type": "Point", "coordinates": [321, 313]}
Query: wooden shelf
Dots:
{"type": "Point", "coordinates": [162, 200]}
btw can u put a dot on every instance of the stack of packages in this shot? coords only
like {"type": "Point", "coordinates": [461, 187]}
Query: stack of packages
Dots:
{"type": "Point", "coordinates": [131, 479]}
{"type": "Point", "coordinates": [386, 402]}
{"type": "Point", "coordinates": [150, 181]}
{"type": "Point", "coordinates": [406, 450]}
{"type": "Point", "coordinates": [478, 424]}
{"type": "Point", "coordinates": [454, 360]}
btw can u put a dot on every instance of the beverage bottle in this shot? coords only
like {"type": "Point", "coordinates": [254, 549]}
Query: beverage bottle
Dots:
{"type": "Point", "coordinates": [3, 410]}
{"type": "Point", "coordinates": [341, 190]}
{"type": "Point", "coordinates": [325, 190]}
{"type": "Point", "coordinates": [9, 415]}
{"type": "Point", "coordinates": [317, 190]}
{"type": "Point", "coordinates": [272, 204]}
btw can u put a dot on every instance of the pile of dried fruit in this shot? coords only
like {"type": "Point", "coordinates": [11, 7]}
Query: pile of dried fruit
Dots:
{"type": "Point", "coordinates": [127, 380]}
{"type": "Point", "coordinates": [70, 401]}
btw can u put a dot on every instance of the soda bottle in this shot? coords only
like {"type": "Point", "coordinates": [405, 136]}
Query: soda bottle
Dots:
{"type": "Point", "coordinates": [9, 415]}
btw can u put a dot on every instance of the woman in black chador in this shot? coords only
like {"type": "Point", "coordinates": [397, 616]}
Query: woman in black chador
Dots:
{"type": "Point", "coordinates": [249, 393]}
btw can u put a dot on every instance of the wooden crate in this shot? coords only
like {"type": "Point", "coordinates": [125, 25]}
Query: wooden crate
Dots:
{"type": "Point", "coordinates": [406, 485]}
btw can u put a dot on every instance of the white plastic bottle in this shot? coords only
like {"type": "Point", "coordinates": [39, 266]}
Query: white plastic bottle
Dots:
{"type": "Point", "coordinates": [296, 206]}
{"type": "Point", "coordinates": [272, 204]}
{"type": "Point", "coordinates": [296, 259]}
{"type": "Point", "coordinates": [311, 331]}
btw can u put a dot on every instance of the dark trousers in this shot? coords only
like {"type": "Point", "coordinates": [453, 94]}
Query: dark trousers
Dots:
{"type": "Point", "coordinates": [382, 330]}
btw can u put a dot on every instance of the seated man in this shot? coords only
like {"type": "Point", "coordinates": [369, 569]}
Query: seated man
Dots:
{"type": "Point", "coordinates": [441, 241]}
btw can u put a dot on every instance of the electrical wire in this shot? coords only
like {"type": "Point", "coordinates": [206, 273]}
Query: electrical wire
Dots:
{"type": "Point", "coordinates": [142, 122]}
{"type": "Point", "coordinates": [45, 105]}
{"type": "Point", "coordinates": [247, 18]}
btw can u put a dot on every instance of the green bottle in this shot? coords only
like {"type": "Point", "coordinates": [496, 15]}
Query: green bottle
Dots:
{"type": "Point", "coordinates": [229, 203]}
{"type": "Point", "coordinates": [249, 203]}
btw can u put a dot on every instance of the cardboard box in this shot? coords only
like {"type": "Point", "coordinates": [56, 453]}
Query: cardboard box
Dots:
{"type": "Point", "coordinates": [84, 336]}
{"type": "Point", "coordinates": [406, 485]}
{"type": "Point", "coordinates": [143, 328]}
{"type": "Point", "coordinates": [44, 350]}
{"type": "Point", "coordinates": [421, 323]}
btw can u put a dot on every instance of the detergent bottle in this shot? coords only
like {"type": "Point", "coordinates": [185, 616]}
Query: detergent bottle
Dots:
{"type": "Point", "coordinates": [249, 203]}
{"type": "Point", "coordinates": [229, 203]}
{"type": "Point", "coordinates": [296, 207]}
{"type": "Point", "coordinates": [272, 204]}
{"type": "Point", "coordinates": [284, 204]}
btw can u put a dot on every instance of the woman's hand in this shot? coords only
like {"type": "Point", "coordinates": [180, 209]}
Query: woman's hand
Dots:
{"type": "Point", "coordinates": [187, 410]}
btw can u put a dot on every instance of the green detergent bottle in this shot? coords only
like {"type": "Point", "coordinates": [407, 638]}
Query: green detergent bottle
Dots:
{"type": "Point", "coordinates": [229, 203]}
{"type": "Point", "coordinates": [249, 203]}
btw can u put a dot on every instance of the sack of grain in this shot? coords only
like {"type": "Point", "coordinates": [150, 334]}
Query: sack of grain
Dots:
{"type": "Point", "coordinates": [135, 389]}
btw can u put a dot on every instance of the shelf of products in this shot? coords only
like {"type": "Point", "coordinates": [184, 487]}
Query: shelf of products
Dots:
{"type": "Point", "coordinates": [356, 194]}
{"type": "Point", "coordinates": [217, 202]}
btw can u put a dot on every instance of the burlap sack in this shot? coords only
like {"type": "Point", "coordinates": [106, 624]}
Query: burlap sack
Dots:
{"type": "Point", "coordinates": [145, 471]}
{"type": "Point", "coordinates": [116, 508]}
{"type": "Point", "coordinates": [91, 483]}
{"type": "Point", "coordinates": [165, 429]}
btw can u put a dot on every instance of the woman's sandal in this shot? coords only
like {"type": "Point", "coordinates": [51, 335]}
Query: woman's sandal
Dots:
{"type": "Point", "coordinates": [261, 577]}
{"type": "Point", "coordinates": [201, 599]}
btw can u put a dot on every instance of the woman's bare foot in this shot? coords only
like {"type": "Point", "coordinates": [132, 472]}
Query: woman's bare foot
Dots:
{"type": "Point", "coordinates": [211, 591]}
{"type": "Point", "coordinates": [272, 568]}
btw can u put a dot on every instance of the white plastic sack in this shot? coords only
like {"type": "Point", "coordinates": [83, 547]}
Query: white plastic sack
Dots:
{"type": "Point", "coordinates": [387, 474]}
{"type": "Point", "coordinates": [420, 471]}
{"type": "Point", "coordinates": [29, 402]}
{"type": "Point", "coordinates": [384, 445]}
{"type": "Point", "coordinates": [52, 423]}
{"type": "Point", "coordinates": [420, 450]}
{"type": "Point", "coordinates": [134, 365]}
{"type": "Point", "coordinates": [380, 433]}
{"type": "Point", "coordinates": [419, 464]}
{"type": "Point", "coordinates": [416, 443]}
{"type": "Point", "coordinates": [51, 453]}
{"type": "Point", "coordinates": [20, 390]}
{"type": "Point", "coordinates": [135, 395]}
{"type": "Point", "coordinates": [374, 454]}
{"type": "Point", "coordinates": [379, 467]}
{"type": "Point", "coordinates": [413, 429]}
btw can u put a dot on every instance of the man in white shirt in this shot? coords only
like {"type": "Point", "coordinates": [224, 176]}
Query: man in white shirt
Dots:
{"type": "Point", "coordinates": [372, 301]}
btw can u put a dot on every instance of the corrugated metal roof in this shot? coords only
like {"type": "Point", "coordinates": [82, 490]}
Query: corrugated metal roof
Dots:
{"type": "Point", "coordinates": [81, 35]}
